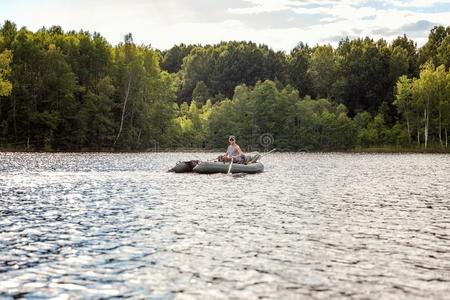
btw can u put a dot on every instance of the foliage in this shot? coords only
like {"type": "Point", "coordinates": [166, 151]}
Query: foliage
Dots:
{"type": "Point", "coordinates": [223, 66]}
{"type": "Point", "coordinates": [424, 104]}
{"type": "Point", "coordinates": [73, 90]}
{"type": "Point", "coordinates": [5, 85]}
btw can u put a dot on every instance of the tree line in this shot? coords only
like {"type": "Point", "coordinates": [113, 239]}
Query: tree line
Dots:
{"type": "Point", "coordinates": [73, 90]}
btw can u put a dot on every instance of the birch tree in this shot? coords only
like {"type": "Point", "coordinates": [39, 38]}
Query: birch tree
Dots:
{"type": "Point", "coordinates": [425, 94]}
{"type": "Point", "coordinates": [404, 101]}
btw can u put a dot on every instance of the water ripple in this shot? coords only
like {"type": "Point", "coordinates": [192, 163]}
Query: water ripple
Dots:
{"type": "Point", "coordinates": [320, 226]}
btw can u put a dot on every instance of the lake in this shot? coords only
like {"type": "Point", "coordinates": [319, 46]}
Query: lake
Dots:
{"type": "Point", "coordinates": [312, 225]}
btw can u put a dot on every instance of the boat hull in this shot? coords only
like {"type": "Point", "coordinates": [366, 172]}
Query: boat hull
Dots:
{"type": "Point", "coordinates": [220, 167]}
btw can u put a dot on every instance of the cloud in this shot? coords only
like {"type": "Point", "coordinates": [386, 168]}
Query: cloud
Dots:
{"type": "Point", "coordinates": [280, 19]}
{"type": "Point", "coordinates": [279, 23]}
{"type": "Point", "coordinates": [418, 3]}
{"type": "Point", "coordinates": [422, 25]}
{"type": "Point", "coordinates": [419, 29]}
{"type": "Point", "coordinates": [262, 6]}
{"type": "Point", "coordinates": [335, 39]}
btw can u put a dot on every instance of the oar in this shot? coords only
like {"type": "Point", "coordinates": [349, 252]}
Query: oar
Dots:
{"type": "Point", "coordinates": [268, 153]}
{"type": "Point", "coordinates": [231, 164]}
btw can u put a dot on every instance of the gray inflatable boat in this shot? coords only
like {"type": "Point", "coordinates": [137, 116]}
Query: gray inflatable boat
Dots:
{"type": "Point", "coordinates": [251, 166]}
{"type": "Point", "coordinates": [207, 167]}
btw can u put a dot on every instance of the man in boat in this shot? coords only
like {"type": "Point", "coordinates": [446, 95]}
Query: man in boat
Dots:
{"type": "Point", "coordinates": [233, 152]}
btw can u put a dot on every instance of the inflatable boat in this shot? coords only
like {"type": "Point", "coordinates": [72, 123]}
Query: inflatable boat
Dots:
{"type": "Point", "coordinates": [251, 166]}
{"type": "Point", "coordinates": [220, 167]}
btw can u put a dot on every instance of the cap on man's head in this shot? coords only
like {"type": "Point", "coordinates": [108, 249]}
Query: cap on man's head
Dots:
{"type": "Point", "coordinates": [231, 137]}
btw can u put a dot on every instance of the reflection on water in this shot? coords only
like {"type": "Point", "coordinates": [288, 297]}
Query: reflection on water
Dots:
{"type": "Point", "coordinates": [312, 225]}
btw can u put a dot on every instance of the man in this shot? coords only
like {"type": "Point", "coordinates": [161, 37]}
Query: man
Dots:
{"type": "Point", "coordinates": [233, 152]}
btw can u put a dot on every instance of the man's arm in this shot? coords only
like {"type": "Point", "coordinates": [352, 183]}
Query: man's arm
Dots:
{"type": "Point", "coordinates": [239, 150]}
{"type": "Point", "coordinates": [226, 153]}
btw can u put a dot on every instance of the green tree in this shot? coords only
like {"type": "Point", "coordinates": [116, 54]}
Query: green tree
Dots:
{"type": "Point", "coordinates": [445, 106]}
{"type": "Point", "coordinates": [363, 81]}
{"type": "Point", "coordinates": [144, 97]}
{"type": "Point", "coordinates": [298, 64]}
{"type": "Point", "coordinates": [429, 51]}
{"type": "Point", "coordinates": [57, 97]}
{"type": "Point", "coordinates": [322, 70]}
{"type": "Point", "coordinates": [5, 70]}
{"type": "Point", "coordinates": [441, 97]}
{"type": "Point", "coordinates": [96, 114]}
{"type": "Point", "coordinates": [224, 66]}
{"type": "Point", "coordinates": [8, 32]}
{"type": "Point", "coordinates": [424, 90]}
{"type": "Point", "coordinates": [201, 93]}
{"type": "Point", "coordinates": [404, 101]}
{"type": "Point", "coordinates": [403, 42]}
{"type": "Point", "coordinates": [443, 52]}
{"type": "Point", "coordinates": [173, 58]}
{"type": "Point", "coordinates": [222, 123]}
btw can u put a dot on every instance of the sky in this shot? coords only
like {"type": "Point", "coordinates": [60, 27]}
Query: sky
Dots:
{"type": "Point", "coordinates": [281, 24]}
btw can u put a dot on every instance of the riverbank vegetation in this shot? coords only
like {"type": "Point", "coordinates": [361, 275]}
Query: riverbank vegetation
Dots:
{"type": "Point", "coordinates": [73, 90]}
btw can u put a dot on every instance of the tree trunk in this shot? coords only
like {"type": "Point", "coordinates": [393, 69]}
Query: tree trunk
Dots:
{"type": "Point", "coordinates": [409, 129]}
{"type": "Point", "coordinates": [14, 118]}
{"type": "Point", "coordinates": [123, 110]}
{"type": "Point", "coordinates": [426, 114]}
{"type": "Point", "coordinates": [34, 91]}
{"type": "Point", "coordinates": [139, 136]}
{"type": "Point", "coordinates": [440, 129]}
{"type": "Point", "coordinates": [446, 138]}
{"type": "Point", "coordinates": [418, 135]}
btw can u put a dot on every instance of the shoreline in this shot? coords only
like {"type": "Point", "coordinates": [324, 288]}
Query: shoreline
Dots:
{"type": "Point", "coordinates": [356, 150]}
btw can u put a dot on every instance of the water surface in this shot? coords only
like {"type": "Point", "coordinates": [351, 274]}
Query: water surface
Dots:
{"type": "Point", "coordinates": [311, 226]}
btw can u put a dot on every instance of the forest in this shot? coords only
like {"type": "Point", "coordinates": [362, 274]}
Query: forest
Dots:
{"type": "Point", "coordinates": [74, 91]}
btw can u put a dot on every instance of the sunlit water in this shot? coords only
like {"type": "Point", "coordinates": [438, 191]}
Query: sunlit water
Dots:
{"type": "Point", "coordinates": [311, 226]}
